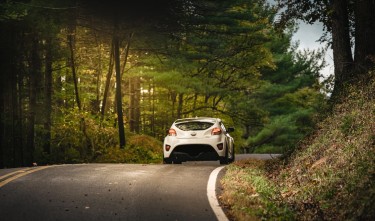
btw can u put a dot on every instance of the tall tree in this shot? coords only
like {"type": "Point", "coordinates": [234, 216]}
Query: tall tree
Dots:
{"type": "Point", "coordinates": [48, 96]}
{"type": "Point", "coordinates": [346, 22]}
{"type": "Point", "coordinates": [120, 115]}
{"type": "Point", "coordinates": [34, 78]}
{"type": "Point", "coordinates": [73, 67]}
{"type": "Point", "coordinates": [134, 104]}
{"type": "Point", "coordinates": [108, 80]}
{"type": "Point", "coordinates": [342, 54]}
{"type": "Point", "coordinates": [364, 34]}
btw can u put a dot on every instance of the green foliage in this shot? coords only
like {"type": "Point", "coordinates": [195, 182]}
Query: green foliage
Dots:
{"type": "Point", "coordinates": [140, 149]}
{"type": "Point", "coordinates": [99, 143]}
{"type": "Point", "coordinates": [281, 110]}
{"type": "Point", "coordinates": [283, 131]}
{"type": "Point", "coordinates": [9, 12]}
{"type": "Point", "coordinates": [291, 119]}
{"type": "Point", "coordinates": [217, 58]}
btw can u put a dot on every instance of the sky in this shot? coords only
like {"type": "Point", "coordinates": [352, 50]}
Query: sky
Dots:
{"type": "Point", "coordinates": [308, 36]}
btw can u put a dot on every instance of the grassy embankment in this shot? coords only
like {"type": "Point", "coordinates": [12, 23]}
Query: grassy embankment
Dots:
{"type": "Point", "coordinates": [330, 176]}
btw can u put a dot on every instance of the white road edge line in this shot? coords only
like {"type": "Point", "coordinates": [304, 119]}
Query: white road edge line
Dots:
{"type": "Point", "coordinates": [211, 194]}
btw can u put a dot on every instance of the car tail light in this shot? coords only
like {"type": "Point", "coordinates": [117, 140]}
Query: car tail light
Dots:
{"type": "Point", "coordinates": [167, 147]}
{"type": "Point", "coordinates": [220, 146]}
{"type": "Point", "coordinates": [216, 131]}
{"type": "Point", "coordinates": [172, 132]}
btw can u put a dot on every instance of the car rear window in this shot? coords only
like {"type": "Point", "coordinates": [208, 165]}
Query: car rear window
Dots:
{"type": "Point", "coordinates": [194, 125]}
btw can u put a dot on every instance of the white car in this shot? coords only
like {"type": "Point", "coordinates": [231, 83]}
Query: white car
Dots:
{"type": "Point", "coordinates": [199, 138]}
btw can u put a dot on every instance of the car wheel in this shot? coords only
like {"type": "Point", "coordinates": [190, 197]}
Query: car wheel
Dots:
{"type": "Point", "coordinates": [167, 161]}
{"type": "Point", "coordinates": [225, 160]}
{"type": "Point", "coordinates": [232, 159]}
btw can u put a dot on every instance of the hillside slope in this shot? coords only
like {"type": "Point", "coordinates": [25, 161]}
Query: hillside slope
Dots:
{"type": "Point", "coordinates": [331, 175]}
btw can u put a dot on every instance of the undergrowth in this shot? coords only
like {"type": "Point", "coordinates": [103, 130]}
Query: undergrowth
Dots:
{"type": "Point", "coordinates": [248, 194]}
{"type": "Point", "coordinates": [330, 176]}
{"type": "Point", "coordinates": [140, 149]}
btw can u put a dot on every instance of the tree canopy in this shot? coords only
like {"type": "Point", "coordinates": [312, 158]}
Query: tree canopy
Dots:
{"type": "Point", "coordinates": [348, 25]}
{"type": "Point", "coordinates": [73, 72]}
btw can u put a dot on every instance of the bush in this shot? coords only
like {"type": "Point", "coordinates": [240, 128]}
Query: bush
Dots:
{"type": "Point", "coordinates": [80, 138]}
{"type": "Point", "coordinates": [139, 149]}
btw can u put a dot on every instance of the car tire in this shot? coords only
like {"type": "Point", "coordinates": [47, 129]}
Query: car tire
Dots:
{"type": "Point", "coordinates": [224, 160]}
{"type": "Point", "coordinates": [231, 160]}
{"type": "Point", "coordinates": [167, 161]}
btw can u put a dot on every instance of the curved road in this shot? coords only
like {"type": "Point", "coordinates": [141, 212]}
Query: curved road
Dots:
{"type": "Point", "coordinates": [107, 192]}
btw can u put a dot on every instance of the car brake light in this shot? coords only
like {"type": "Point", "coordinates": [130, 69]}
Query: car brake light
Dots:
{"type": "Point", "coordinates": [167, 147]}
{"type": "Point", "coordinates": [216, 131]}
{"type": "Point", "coordinates": [172, 132]}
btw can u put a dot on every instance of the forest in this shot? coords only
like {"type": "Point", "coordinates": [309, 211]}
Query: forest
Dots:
{"type": "Point", "coordinates": [81, 80]}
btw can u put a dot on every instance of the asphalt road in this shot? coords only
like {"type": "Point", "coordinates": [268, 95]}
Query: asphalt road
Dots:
{"type": "Point", "coordinates": [107, 192]}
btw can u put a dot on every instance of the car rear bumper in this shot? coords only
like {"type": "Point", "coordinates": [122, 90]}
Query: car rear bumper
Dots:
{"type": "Point", "coordinates": [194, 152]}
{"type": "Point", "coordinates": [195, 149]}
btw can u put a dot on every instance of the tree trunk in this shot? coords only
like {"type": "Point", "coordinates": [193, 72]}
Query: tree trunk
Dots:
{"type": "Point", "coordinates": [342, 55]}
{"type": "Point", "coordinates": [131, 105]}
{"type": "Point", "coordinates": [12, 86]}
{"type": "Point", "coordinates": [174, 99]}
{"type": "Point", "coordinates": [73, 68]}
{"type": "Point", "coordinates": [120, 118]}
{"type": "Point", "coordinates": [48, 97]}
{"type": "Point", "coordinates": [137, 101]}
{"type": "Point", "coordinates": [78, 101]}
{"type": "Point", "coordinates": [180, 105]}
{"type": "Point", "coordinates": [108, 81]}
{"type": "Point", "coordinates": [2, 158]}
{"type": "Point", "coordinates": [126, 54]}
{"type": "Point", "coordinates": [35, 72]}
{"type": "Point", "coordinates": [17, 121]}
{"type": "Point", "coordinates": [152, 105]}
{"type": "Point", "coordinates": [195, 102]}
{"type": "Point", "coordinates": [96, 103]}
{"type": "Point", "coordinates": [134, 109]}
{"type": "Point", "coordinates": [20, 115]}
{"type": "Point", "coordinates": [364, 53]}
{"type": "Point", "coordinates": [6, 122]}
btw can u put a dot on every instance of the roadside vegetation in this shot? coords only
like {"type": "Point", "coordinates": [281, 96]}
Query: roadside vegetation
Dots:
{"type": "Point", "coordinates": [330, 176]}
{"type": "Point", "coordinates": [80, 80]}
{"type": "Point", "coordinates": [69, 145]}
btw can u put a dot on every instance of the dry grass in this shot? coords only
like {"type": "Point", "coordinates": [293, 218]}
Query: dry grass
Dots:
{"type": "Point", "coordinates": [248, 194]}
{"type": "Point", "coordinates": [330, 177]}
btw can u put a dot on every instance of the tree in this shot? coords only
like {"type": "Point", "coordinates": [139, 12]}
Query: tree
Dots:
{"type": "Point", "coordinates": [346, 22]}
{"type": "Point", "coordinates": [120, 118]}
{"type": "Point", "coordinates": [279, 110]}
{"type": "Point", "coordinates": [364, 33]}
{"type": "Point", "coordinates": [187, 58]}
{"type": "Point", "coordinates": [48, 96]}
{"type": "Point", "coordinates": [108, 81]}
{"type": "Point", "coordinates": [220, 49]}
